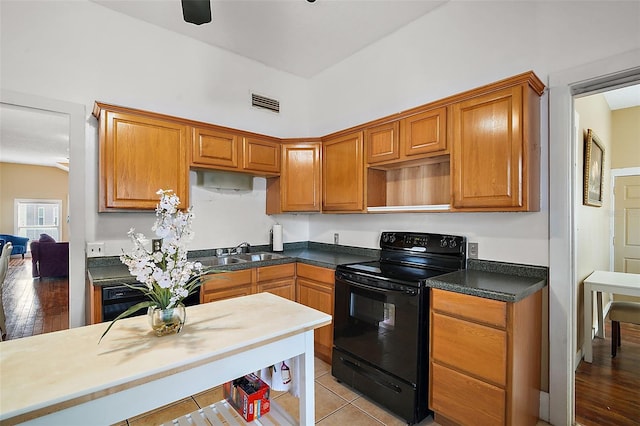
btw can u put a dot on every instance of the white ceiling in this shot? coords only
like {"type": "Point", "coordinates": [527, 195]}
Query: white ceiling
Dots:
{"type": "Point", "coordinates": [33, 136]}
{"type": "Point", "coordinates": [295, 36]}
{"type": "Point", "coordinates": [625, 97]}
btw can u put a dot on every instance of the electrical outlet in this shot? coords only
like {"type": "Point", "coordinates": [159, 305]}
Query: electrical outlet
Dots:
{"type": "Point", "coordinates": [95, 249]}
{"type": "Point", "coordinates": [473, 250]}
{"type": "Point", "coordinates": [336, 238]}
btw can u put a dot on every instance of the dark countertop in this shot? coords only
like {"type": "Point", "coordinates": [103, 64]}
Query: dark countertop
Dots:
{"type": "Point", "coordinates": [117, 273]}
{"type": "Point", "coordinates": [506, 282]}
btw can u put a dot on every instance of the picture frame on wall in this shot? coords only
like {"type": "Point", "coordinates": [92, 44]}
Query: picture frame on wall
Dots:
{"type": "Point", "coordinates": [593, 170]}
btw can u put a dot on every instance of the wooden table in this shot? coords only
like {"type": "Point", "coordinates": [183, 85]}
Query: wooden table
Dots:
{"type": "Point", "coordinates": [608, 282]}
{"type": "Point", "coordinates": [66, 377]}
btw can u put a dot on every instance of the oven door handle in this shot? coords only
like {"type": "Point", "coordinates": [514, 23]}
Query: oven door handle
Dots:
{"type": "Point", "coordinates": [407, 291]}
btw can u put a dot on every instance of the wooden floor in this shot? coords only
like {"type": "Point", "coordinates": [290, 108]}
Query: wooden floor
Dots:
{"type": "Point", "coordinates": [33, 306]}
{"type": "Point", "coordinates": [607, 391]}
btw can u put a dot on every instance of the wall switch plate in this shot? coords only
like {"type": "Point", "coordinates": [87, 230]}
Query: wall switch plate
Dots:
{"type": "Point", "coordinates": [472, 250]}
{"type": "Point", "coordinates": [95, 249]}
{"type": "Point", "coordinates": [336, 238]}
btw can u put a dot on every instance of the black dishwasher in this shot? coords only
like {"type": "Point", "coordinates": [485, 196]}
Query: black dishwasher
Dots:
{"type": "Point", "coordinates": [117, 299]}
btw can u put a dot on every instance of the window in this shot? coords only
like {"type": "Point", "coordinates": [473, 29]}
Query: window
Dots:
{"type": "Point", "coordinates": [35, 217]}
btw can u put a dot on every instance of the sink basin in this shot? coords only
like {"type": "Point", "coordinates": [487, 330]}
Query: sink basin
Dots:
{"type": "Point", "coordinates": [257, 257]}
{"type": "Point", "coordinates": [226, 260]}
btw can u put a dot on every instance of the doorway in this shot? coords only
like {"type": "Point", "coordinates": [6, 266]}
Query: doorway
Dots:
{"type": "Point", "coordinates": [77, 191]}
{"type": "Point", "coordinates": [563, 86]}
{"type": "Point", "coordinates": [626, 221]}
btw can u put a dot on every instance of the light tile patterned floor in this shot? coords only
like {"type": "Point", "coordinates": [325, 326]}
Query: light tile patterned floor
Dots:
{"type": "Point", "coordinates": [336, 404]}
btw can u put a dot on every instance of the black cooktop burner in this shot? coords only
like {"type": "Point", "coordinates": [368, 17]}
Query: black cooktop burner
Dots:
{"type": "Point", "coordinates": [411, 257]}
{"type": "Point", "coordinates": [403, 273]}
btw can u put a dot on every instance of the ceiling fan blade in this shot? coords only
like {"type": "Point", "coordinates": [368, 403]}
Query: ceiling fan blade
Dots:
{"type": "Point", "coordinates": [196, 11]}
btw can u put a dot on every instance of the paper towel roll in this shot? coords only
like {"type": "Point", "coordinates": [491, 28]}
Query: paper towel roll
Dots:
{"type": "Point", "coordinates": [277, 237]}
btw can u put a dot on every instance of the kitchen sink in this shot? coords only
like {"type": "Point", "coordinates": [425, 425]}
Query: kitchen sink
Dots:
{"type": "Point", "coordinates": [226, 260]}
{"type": "Point", "coordinates": [257, 257]}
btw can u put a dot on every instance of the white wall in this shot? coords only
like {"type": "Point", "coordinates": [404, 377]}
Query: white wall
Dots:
{"type": "Point", "coordinates": [459, 46]}
{"type": "Point", "coordinates": [593, 236]}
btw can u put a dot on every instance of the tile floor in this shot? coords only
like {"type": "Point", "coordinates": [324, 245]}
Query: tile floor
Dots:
{"type": "Point", "coordinates": [336, 404]}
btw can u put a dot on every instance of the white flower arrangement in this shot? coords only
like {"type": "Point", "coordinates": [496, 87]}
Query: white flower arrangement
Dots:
{"type": "Point", "coordinates": [164, 270]}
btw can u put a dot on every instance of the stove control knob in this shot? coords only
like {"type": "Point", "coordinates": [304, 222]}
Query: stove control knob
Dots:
{"type": "Point", "coordinates": [392, 238]}
{"type": "Point", "coordinates": [452, 243]}
{"type": "Point", "coordinates": [443, 242]}
{"type": "Point", "coordinates": [385, 237]}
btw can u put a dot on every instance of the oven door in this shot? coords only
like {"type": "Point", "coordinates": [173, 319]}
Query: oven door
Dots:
{"type": "Point", "coordinates": [382, 323]}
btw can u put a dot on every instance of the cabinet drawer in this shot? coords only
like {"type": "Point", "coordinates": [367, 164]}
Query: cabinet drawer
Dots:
{"type": "Point", "coordinates": [266, 273]}
{"type": "Point", "coordinates": [470, 347]}
{"type": "Point", "coordinates": [226, 280]}
{"type": "Point", "coordinates": [487, 311]}
{"type": "Point", "coordinates": [466, 400]}
{"type": "Point", "coordinates": [316, 273]}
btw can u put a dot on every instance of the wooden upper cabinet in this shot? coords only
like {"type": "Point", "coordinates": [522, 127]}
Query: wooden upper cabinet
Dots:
{"type": "Point", "coordinates": [382, 142]}
{"type": "Point", "coordinates": [300, 177]}
{"type": "Point", "coordinates": [424, 133]}
{"type": "Point", "coordinates": [140, 153]}
{"type": "Point", "coordinates": [496, 151]}
{"type": "Point", "coordinates": [213, 147]}
{"type": "Point", "coordinates": [343, 173]}
{"type": "Point", "coordinates": [261, 155]}
{"type": "Point", "coordinates": [414, 137]}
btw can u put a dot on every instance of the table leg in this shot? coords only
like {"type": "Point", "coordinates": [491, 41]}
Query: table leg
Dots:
{"type": "Point", "coordinates": [588, 322]}
{"type": "Point", "coordinates": [307, 382]}
{"type": "Point", "coordinates": [600, 332]}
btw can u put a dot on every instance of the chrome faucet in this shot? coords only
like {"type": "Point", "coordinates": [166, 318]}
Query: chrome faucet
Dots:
{"type": "Point", "coordinates": [243, 247]}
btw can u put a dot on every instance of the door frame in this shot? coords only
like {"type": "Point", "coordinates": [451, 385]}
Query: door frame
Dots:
{"type": "Point", "coordinates": [563, 86]}
{"type": "Point", "coordinates": [616, 173]}
{"type": "Point", "coordinates": [77, 192]}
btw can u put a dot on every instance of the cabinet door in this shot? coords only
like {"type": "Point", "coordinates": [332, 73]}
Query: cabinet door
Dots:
{"type": "Point", "coordinates": [300, 178]}
{"type": "Point", "coordinates": [382, 143]}
{"type": "Point", "coordinates": [138, 156]}
{"type": "Point", "coordinates": [215, 148]}
{"type": "Point", "coordinates": [319, 296]}
{"type": "Point", "coordinates": [487, 154]}
{"type": "Point", "coordinates": [342, 174]}
{"type": "Point", "coordinates": [261, 155]}
{"type": "Point", "coordinates": [424, 133]}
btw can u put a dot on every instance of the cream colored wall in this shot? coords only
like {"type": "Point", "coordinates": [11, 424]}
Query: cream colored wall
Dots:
{"type": "Point", "coordinates": [626, 137]}
{"type": "Point", "coordinates": [31, 182]}
{"type": "Point", "coordinates": [592, 223]}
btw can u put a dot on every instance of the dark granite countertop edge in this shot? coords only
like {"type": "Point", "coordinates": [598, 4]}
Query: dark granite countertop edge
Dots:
{"type": "Point", "coordinates": [487, 293]}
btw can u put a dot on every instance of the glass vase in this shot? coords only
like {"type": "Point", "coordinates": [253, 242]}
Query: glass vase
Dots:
{"type": "Point", "coordinates": [167, 321]}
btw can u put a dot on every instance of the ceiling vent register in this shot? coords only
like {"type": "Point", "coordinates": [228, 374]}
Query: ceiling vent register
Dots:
{"type": "Point", "coordinates": [264, 102]}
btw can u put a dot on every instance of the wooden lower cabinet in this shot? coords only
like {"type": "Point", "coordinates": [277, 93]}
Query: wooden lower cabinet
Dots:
{"type": "Point", "coordinates": [315, 287]}
{"type": "Point", "coordinates": [226, 285]}
{"type": "Point", "coordinates": [278, 279]}
{"type": "Point", "coordinates": [485, 359]}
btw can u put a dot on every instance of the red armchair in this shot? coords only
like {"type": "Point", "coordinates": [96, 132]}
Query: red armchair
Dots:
{"type": "Point", "coordinates": [49, 259]}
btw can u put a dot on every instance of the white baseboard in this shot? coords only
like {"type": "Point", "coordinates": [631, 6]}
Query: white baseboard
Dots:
{"type": "Point", "coordinates": [544, 406]}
